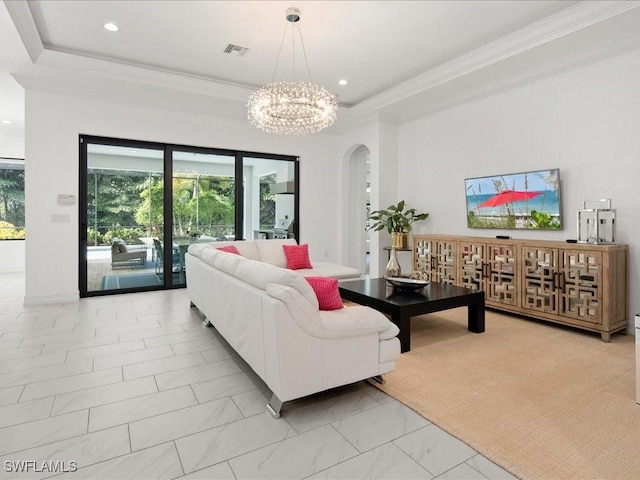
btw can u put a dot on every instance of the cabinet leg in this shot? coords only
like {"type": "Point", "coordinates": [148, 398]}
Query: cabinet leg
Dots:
{"type": "Point", "coordinates": [606, 337]}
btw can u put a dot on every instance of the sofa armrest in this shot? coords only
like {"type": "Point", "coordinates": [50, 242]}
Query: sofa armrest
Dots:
{"type": "Point", "coordinates": [358, 320]}
{"type": "Point", "coordinates": [347, 322]}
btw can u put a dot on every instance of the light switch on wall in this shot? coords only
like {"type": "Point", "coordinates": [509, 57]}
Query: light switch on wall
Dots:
{"type": "Point", "coordinates": [60, 218]}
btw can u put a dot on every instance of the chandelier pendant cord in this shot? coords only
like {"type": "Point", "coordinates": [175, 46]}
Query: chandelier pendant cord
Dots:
{"type": "Point", "coordinates": [284, 33]}
{"type": "Point", "coordinates": [293, 52]}
{"type": "Point", "coordinates": [304, 51]}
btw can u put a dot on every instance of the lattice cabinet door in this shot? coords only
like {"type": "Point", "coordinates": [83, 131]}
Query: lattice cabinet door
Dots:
{"type": "Point", "coordinates": [423, 255]}
{"type": "Point", "coordinates": [444, 268]}
{"type": "Point", "coordinates": [501, 278]}
{"type": "Point", "coordinates": [540, 279]}
{"type": "Point", "coordinates": [581, 285]}
{"type": "Point", "coordinates": [472, 263]}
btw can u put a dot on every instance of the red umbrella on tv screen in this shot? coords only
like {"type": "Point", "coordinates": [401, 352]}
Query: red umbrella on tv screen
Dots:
{"type": "Point", "coordinates": [508, 196]}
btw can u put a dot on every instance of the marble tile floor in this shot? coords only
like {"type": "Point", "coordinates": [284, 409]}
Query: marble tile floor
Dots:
{"type": "Point", "coordinates": [134, 386]}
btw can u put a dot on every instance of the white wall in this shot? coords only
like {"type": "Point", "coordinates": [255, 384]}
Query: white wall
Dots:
{"type": "Point", "coordinates": [54, 122]}
{"type": "Point", "coordinates": [12, 256]}
{"type": "Point", "coordinates": [11, 146]}
{"type": "Point", "coordinates": [585, 122]}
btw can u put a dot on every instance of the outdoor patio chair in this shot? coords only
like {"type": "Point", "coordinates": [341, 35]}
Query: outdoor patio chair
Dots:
{"type": "Point", "coordinates": [122, 255]}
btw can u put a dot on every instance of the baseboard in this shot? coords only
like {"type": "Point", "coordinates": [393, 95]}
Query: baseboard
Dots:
{"type": "Point", "coordinates": [51, 299]}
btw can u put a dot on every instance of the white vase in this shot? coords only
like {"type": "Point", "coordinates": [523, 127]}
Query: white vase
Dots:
{"type": "Point", "coordinates": [393, 267]}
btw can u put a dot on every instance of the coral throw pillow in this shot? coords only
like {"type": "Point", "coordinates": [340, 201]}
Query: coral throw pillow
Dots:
{"type": "Point", "coordinates": [297, 256]}
{"type": "Point", "coordinates": [327, 292]}
{"type": "Point", "coordinates": [229, 249]}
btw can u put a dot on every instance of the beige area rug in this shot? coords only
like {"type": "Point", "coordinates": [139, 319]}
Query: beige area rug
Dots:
{"type": "Point", "coordinates": [542, 401]}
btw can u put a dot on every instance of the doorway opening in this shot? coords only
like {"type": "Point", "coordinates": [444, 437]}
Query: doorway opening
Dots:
{"type": "Point", "coordinates": [359, 198]}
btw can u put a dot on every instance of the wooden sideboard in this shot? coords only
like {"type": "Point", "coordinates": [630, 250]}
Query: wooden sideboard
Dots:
{"type": "Point", "coordinates": [577, 284]}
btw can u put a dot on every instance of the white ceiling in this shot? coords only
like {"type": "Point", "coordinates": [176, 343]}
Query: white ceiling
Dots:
{"type": "Point", "coordinates": [373, 44]}
{"type": "Point", "coordinates": [400, 57]}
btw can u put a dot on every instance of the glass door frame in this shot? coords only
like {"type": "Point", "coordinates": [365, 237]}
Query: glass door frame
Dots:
{"type": "Point", "coordinates": [169, 149]}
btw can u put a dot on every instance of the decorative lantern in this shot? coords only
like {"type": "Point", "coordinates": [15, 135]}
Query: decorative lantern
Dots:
{"type": "Point", "coordinates": [596, 222]}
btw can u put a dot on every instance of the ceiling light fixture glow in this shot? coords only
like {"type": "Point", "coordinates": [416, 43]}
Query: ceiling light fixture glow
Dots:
{"type": "Point", "coordinates": [343, 82]}
{"type": "Point", "coordinates": [112, 27]}
{"type": "Point", "coordinates": [7, 122]}
{"type": "Point", "coordinates": [292, 107]}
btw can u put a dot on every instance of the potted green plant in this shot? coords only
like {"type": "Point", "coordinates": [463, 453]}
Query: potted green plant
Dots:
{"type": "Point", "coordinates": [397, 219]}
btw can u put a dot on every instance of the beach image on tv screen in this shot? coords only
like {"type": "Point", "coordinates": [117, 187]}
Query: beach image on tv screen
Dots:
{"type": "Point", "coordinates": [529, 200]}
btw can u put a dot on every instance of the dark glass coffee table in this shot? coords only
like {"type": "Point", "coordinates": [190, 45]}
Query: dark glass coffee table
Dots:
{"type": "Point", "coordinates": [401, 305]}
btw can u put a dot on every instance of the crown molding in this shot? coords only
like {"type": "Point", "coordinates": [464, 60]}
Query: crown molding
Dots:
{"type": "Point", "coordinates": [26, 27]}
{"type": "Point", "coordinates": [556, 26]}
{"type": "Point", "coordinates": [430, 102]}
{"type": "Point", "coordinates": [89, 68]}
{"type": "Point", "coordinates": [60, 82]}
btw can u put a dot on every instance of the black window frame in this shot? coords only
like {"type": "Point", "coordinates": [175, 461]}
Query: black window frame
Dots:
{"type": "Point", "coordinates": [168, 149]}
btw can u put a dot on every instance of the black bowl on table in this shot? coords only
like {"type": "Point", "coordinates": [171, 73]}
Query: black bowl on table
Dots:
{"type": "Point", "coordinates": [405, 283]}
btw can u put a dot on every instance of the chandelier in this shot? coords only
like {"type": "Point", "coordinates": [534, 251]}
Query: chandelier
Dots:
{"type": "Point", "coordinates": [292, 107]}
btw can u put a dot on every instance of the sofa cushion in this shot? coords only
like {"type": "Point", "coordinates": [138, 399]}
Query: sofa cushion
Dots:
{"type": "Point", "coordinates": [260, 274]}
{"type": "Point", "coordinates": [122, 247]}
{"type": "Point", "coordinates": [229, 249]}
{"type": "Point", "coordinates": [196, 249]}
{"type": "Point", "coordinates": [324, 269]}
{"type": "Point", "coordinates": [297, 256]}
{"type": "Point", "coordinates": [271, 251]}
{"type": "Point", "coordinates": [326, 290]}
{"type": "Point", "coordinates": [246, 249]}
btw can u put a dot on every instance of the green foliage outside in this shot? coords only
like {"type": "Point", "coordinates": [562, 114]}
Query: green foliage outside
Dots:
{"type": "Point", "coordinates": [12, 202]}
{"type": "Point", "coordinates": [8, 231]}
{"type": "Point", "coordinates": [129, 206]}
{"type": "Point", "coordinates": [267, 201]}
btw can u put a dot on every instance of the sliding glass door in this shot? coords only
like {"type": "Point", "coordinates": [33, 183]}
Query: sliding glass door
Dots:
{"type": "Point", "coordinates": [124, 207]}
{"type": "Point", "coordinates": [204, 202]}
{"type": "Point", "coordinates": [142, 204]}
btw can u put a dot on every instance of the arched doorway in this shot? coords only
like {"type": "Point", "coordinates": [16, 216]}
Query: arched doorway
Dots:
{"type": "Point", "coordinates": [359, 191]}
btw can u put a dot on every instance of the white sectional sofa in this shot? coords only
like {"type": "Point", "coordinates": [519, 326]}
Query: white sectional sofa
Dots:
{"type": "Point", "coordinates": [270, 315]}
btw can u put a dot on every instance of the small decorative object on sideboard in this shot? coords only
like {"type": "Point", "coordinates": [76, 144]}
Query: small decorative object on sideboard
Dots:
{"type": "Point", "coordinates": [596, 222]}
{"type": "Point", "coordinates": [393, 266]}
{"type": "Point", "coordinates": [420, 275]}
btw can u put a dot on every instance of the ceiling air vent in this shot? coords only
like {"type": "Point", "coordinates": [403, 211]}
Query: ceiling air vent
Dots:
{"type": "Point", "coordinates": [236, 50]}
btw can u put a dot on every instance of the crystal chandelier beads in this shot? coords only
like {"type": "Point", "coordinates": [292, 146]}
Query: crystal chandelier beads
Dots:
{"type": "Point", "coordinates": [292, 108]}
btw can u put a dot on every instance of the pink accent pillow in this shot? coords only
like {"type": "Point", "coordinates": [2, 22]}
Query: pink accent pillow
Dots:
{"type": "Point", "coordinates": [229, 249]}
{"type": "Point", "coordinates": [327, 292]}
{"type": "Point", "coordinates": [297, 256]}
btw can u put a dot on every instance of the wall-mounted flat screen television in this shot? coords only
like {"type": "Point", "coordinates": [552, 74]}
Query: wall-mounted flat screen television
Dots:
{"type": "Point", "coordinates": [529, 200]}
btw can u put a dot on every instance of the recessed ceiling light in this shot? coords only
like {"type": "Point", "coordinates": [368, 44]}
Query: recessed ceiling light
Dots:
{"type": "Point", "coordinates": [112, 27]}
{"type": "Point", "coordinates": [343, 82]}
{"type": "Point", "coordinates": [7, 122]}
